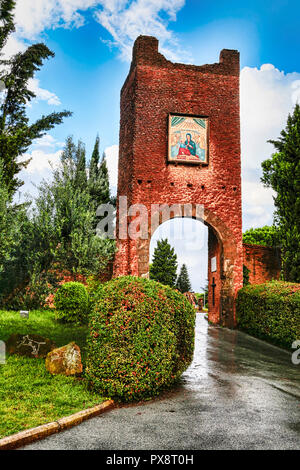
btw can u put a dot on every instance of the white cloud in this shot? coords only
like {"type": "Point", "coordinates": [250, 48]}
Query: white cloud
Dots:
{"type": "Point", "coordinates": [44, 157]}
{"type": "Point", "coordinates": [268, 95]}
{"type": "Point", "coordinates": [35, 16]}
{"type": "Point", "coordinates": [112, 154]}
{"type": "Point", "coordinates": [13, 46]}
{"type": "Point", "coordinates": [255, 193]}
{"type": "Point", "coordinates": [40, 167]}
{"type": "Point", "coordinates": [127, 20]}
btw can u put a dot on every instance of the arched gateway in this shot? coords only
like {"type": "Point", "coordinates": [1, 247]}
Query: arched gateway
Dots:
{"type": "Point", "coordinates": [180, 147]}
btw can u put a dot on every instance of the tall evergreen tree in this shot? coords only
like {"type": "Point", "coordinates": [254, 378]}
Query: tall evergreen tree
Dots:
{"type": "Point", "coordinates": [164, 264]}
{"type": "Point", "coordinates": [282, 173]}
{"type": "Point", "coordinates": [58, 232]}
{"type": "Point", "coordinates": [183, 283]}
{"type": "Point", "coordinates": [104, 181]}
{"type": "Point", "coordinates": [16, 133]}
{"type": "Point", "coordinates": [94, 163]}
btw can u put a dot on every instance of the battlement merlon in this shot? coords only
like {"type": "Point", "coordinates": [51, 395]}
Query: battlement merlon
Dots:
{"type": "Point", "coordinates": [145, 52]}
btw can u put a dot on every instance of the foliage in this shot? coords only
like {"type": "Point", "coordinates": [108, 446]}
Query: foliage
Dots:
{"type": "Point", "coordinates": [282, 173]}
{"type": "Point", "coordinates": [164, 264]}
{"type": "Point", "coordinates": [183, 283]}
{"type": "Point", "coordinates": [29, 395]}
{"type": "Point", "coordinates": [16, 133]}
{"type": "Point", "coordinates": [246, 273]}
{"type": "Point", "coordinates": [141, 338]}
{"type": "Point", "coordinates": [72, 302]}
{"type": "Point", "coordinates": [98, 178]}
{"type": "Point", "coordinates": [57, 232]}
{"type": "Point", "coordinates": [8, 225]}
{"type": "Point", "coordinates": [270, 311]}
{"type": "Point", "coordinates": [67, 204]}
{"type": "Point", "coordinates": [24, 269]}
{"type": "Point", "coordinates": [266, 236]}
{"type": "Point", "coordinates": [31, 296]}
{"type": "Point", "coordinates": [93, 283]}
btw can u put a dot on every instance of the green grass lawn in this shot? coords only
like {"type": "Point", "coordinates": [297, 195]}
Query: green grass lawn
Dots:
{"type": "Point", "coordinates": [29, 395]}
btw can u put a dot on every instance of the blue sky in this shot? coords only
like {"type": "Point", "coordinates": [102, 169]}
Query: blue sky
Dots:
{"type": "Point", "coordinates": [92, 41]}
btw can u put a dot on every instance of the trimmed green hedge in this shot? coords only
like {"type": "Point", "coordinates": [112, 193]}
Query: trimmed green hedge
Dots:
{"type": "Point", "coordinates": [141, 338]}
{"type": "Point", "coordinates": [71, 303]}
{"type": "Point", "coordinates": [270, 311]}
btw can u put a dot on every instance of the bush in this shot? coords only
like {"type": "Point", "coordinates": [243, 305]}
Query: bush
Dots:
{"type": "Point", "coordinates": [141, 338]}
{"type": "Point", "coordinates": [270, 311]}
{"type": "Point", "coordinates": [71, 303]}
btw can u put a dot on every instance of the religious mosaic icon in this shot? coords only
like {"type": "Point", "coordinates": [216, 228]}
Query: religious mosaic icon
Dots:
{"type": "Point", "coordinates": [188, 139]}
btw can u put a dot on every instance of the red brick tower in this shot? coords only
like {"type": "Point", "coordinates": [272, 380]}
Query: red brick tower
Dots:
{"type": "Point", "coordinates": [154, 89]}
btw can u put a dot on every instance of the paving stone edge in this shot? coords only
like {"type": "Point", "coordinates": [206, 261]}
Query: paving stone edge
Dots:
{"type": "Point", "coordinates": [35, 434]}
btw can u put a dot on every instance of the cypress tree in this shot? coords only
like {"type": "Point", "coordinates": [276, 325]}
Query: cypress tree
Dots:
{"type": "Point", "coordinates": [183, 283]}
{"type": "Point", "coordinates": [282, 173]}
{"type": "Point", "coordinates": [164, 264]}
{"type": "Point", "coordinates": [16, 131]}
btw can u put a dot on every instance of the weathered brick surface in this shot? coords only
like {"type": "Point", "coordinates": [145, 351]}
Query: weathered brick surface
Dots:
{"type": "Point", "coordinates": [154, 88]}
{"type": "Point", "coordinates": [264, 263]}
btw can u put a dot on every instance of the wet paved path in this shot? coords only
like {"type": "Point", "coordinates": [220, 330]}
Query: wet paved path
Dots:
{"type": "Point", "coordinates": [239, 393]}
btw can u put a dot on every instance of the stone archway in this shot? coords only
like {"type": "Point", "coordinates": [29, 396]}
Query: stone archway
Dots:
{"type": "Point", "coordinates": [221, 296]}
{"type": "Point", "coordinates": [154, 90]}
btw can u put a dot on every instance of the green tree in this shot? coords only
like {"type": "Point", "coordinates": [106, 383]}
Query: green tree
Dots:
{"type": "Point", "coordinates": [164, 264]}
{"type": "Point", "coordinates": [266, 236]}
{"type": "Point", "coordinates": [98, 177]}
{"type": "Point", "coordinates": [58, 232]}
{"type": "Point", "coordinates": [94, 163]}
{"type": "Point", "coordinates": [183, 283]}
{"type": "Point", "coordinates": [282, 173]}
{"type": "Point", "coordinates": [246, 275]}
{"type": "Point", "coordinates": [104, 181]}
{"type": "Point", "coordinates": [16, 133]}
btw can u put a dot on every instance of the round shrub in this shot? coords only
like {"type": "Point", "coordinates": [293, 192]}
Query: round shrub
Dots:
{"type": "Point", "coordinates": [71, 303]}
{"type": "Point", "coordinates": [141, 338]}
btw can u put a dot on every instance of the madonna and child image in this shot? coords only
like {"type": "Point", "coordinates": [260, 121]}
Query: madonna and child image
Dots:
{"type": "Point", "coordinates": [188, 139]}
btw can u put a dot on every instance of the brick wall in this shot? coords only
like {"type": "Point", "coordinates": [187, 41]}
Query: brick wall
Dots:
{"type": "Point", "coordinates": [264, 263]}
